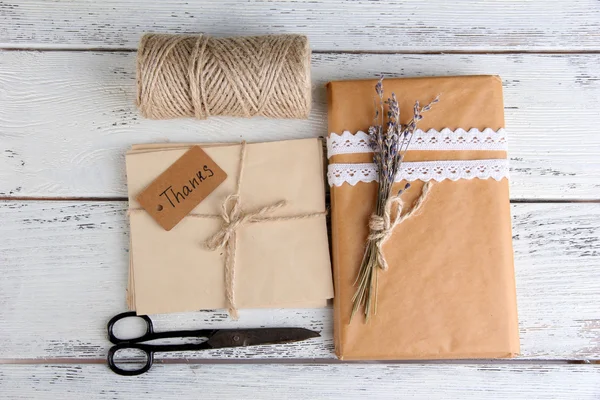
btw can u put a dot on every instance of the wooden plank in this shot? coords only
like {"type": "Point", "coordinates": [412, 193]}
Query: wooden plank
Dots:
{"type": "Point", "coordinates": [349, 381]}
{"type": "Point", "coordinates": [67, 118]}
{"type": "Point", "coordinates": [64, 269]}
{"type": "Point", "coordinates": [331, 25]}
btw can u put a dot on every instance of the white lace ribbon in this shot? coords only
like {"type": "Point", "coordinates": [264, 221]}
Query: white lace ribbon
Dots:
{"type": "Point", "coordinates": [446, 139]}
{"type": "Point", "coordinates": [338, 174]}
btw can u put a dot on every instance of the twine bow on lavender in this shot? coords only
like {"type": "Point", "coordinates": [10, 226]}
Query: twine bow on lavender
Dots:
{"type": "Point", "coordinates": [381, 227]}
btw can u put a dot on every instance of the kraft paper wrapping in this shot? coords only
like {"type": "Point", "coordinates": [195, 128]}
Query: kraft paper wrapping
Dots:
{"type": "Point", "coordinates": [450, 288]}
{"type": "Point", "coordinates": [278, 263]}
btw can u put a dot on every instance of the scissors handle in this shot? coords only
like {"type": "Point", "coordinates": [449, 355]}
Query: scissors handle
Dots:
{"type": "Point", "coordinates": [150, 334]}
{"type": "Point", "coordinates": [129, 314]}
{"type": "Point", "coordinates": [149, 349]}
{"type": "Point", "coordinates": [130, 372]}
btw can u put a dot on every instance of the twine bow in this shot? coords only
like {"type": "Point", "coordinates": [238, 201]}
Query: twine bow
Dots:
{"type": "Point", "coordinates": [381, 227]}
{"type": "Point", "coordinates": [233, 218]}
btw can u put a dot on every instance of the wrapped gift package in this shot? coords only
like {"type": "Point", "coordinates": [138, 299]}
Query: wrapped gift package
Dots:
{"type": "Point", "coordinates": [279, 263]}
{"type": "Point", "coordinates": [449, 291]}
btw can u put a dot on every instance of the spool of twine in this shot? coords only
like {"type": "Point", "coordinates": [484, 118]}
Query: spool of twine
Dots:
{"type": "Point", "coordinates": [199, 76]}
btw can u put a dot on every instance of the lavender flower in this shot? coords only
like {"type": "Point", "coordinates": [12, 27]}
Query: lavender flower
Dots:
{"type": "Point", "coordinates": [389, 147]}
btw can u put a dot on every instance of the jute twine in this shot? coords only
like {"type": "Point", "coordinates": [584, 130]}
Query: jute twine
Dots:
{"type": "Point", "coordinates": [234, 217]}
{"type": "Point", "coordinates": [382, 226]}
{"type": "Point", "coordinates": [199, 76]}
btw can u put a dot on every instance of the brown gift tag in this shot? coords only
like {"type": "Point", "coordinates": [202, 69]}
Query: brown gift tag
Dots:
{"type": "Point", "coordinates": [450, 289]}
{"type": "Point", "coordinates": [178, 190]}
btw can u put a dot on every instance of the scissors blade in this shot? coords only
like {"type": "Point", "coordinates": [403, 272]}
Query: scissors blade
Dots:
{"type": "Point", "coordinates": [254, 337]}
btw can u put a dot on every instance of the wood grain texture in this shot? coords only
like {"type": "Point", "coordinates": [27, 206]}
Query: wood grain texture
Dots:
{"type": "Point", "coordinates": [331, 25]}
{"type": "Point", "coordinates": [350, 381]}
{"type": "Point", "coordinates": [64, 270]}
{"type": "Point", "coordinates": [67, 118]}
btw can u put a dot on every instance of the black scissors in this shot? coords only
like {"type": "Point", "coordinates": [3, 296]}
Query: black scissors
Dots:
{"type": "Point", "coordinates": [213, 339]}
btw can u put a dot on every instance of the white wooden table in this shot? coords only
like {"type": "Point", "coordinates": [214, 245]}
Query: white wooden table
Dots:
{"type": "Point", "coordinates": [67, 116]}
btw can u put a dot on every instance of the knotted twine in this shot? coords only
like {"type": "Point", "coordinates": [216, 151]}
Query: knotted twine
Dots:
{"type": "Point", "coordinates": [199, 76]}
{"type": "Point", "coordinates": [382, 226]}
{"type": "Point", "coordinates": [234, 217]}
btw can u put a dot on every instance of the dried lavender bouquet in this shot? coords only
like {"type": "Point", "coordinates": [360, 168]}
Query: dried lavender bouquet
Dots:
{"type": "Point", "coordinates": [389, 147]}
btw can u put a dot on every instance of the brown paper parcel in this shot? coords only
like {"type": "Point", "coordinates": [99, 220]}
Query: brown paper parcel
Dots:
{"type": "Point", "coordinates": [278, 263]}
{"type": "Point", "coordinates": [450, 288]}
